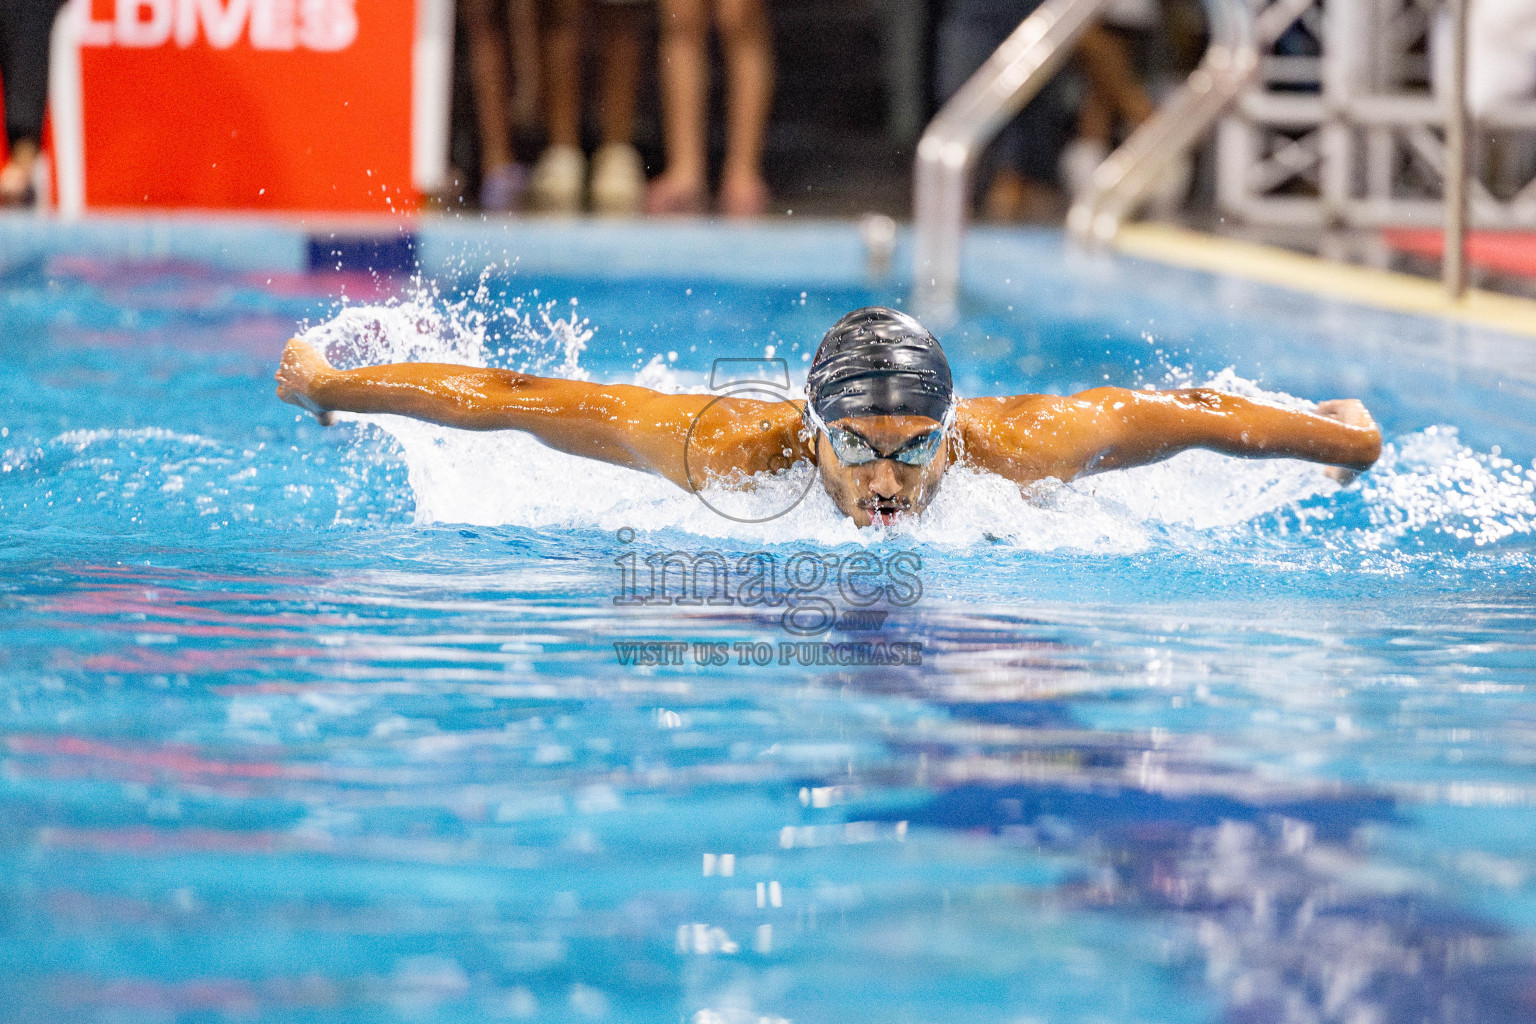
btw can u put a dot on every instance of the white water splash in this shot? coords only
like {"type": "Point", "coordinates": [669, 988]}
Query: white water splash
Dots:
{"type": "Point", "coordinates": [83, 439]}
{"type": "Point", "coordinates": [1432, 482]}
{"type": "Point", "coordinates": [529, 338]}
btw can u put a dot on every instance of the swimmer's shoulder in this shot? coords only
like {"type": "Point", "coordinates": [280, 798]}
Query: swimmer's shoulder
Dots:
{"type": "Point", "coordinates": [751, 433]}
{"type": "Point", "coordinates": [1015, 436]}
{"type": "Point", "coordinates": [982, 412]}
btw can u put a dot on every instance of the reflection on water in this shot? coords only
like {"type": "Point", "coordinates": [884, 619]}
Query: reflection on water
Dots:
{"type": "Point", "coordinates": [443, 798]}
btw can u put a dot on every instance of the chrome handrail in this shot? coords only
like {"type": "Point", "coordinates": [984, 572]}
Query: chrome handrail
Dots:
{"type": "Point", "coordinates": [1012, 76]}
{"type": "Point", "coordinates": [954, 138]}
{"type": "Point", "coordinates": [1122, 181]}
{"type": "Point", "coordinates": [1453, 259]}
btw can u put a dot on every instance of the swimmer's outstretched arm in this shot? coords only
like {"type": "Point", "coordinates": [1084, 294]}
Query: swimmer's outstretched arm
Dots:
{"type": "Point", "coordinates": [1034, 436]}
{"type": "Point", "coordinates": [616, 423]}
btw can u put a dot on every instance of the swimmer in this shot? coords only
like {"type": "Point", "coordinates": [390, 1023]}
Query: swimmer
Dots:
{"type": "Point", "coordinates": [881, 422]}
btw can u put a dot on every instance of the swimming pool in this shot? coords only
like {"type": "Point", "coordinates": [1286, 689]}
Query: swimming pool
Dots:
{"type": "Point", "coordinates": [374, 723]}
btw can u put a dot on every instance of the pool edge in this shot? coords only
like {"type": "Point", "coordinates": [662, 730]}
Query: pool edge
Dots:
{"type": "Point", "coordinates": [1379, 289]}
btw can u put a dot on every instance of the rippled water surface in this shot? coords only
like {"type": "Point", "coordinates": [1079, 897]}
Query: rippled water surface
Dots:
{"type": "Point", "coordinates": [361, 724]}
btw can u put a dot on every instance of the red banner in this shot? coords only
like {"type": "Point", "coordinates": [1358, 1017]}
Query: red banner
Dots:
{"type": "Point", "coordinates": [248, 104]}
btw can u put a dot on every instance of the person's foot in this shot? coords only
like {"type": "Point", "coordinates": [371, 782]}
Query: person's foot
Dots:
{"type": "Point", "coordinates": [502, 188]}
{"type": "Point", "coordinates": [16, 187]}
{"type": "Point", "coordinates": [618, 180]}
{"type": "Point", "coordinates": [673, 195]}
{"type": "Point", "coordinates": [558, 180]}
{"type": "Point", "coordinates": [745, 196]}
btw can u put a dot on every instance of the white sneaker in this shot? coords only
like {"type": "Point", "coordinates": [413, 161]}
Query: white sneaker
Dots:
{"type": "Point", "coordinates": [618, 180]}
{"type": "Point", "coordinates": [557, 181]}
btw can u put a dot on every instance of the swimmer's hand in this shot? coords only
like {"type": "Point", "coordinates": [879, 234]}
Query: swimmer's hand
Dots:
{"type": "Point", "coordinates": [1353, 413]}
{"type": "Point", "coordinates": [299, 377]}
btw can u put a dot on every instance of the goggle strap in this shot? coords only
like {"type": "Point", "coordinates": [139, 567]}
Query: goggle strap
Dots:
{"type": "Point", "coordinates": [944, 424]}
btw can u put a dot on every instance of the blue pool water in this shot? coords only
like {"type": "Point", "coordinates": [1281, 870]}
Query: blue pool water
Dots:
{"type": "Point", "coordinates": [307, 724]}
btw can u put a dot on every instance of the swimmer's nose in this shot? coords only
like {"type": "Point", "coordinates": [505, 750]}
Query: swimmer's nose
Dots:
{"type": "Point", "coordinates": [883, 482]}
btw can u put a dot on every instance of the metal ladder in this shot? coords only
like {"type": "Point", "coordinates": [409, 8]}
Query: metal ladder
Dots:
{"type": "Point", "coordinates": [1012, 76]}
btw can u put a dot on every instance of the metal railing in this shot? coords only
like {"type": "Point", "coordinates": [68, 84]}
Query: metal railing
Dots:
{"type": "Point", "coordinates": [1012, 76]}
{"type": "Point", "coordinates": [1374, 131]}
{"type": "Point", "coordinates": [1453, 260]}
{"type": "Point", "coordinates": [947, 152]}
{"type": "Point", "coordinates": [1124, 180]}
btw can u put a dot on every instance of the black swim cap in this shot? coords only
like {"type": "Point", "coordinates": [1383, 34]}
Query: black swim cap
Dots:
{"type": "Point", "coordinates": [879, 362]}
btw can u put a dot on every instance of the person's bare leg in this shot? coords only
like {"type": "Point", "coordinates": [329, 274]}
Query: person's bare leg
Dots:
{"type": "Point", "coordinates": [488, 72]}
{"type": "Point", "coordinates": [622, 28]}
{"type": "Point", "coordinates": [747, 43]}
{"type": "Point", "coordinates": [501, 179]}
{"type": "Point", "coordinates": [1095, 118]}
{"type": "Point", "coordinates": [527, 53]}
{"type": "Point", "coordinates": [1087, 150]}
{"type": "Point", "coordinates": [562, 71]}
{"type": "Point", "coordinates": [559, 179]}
{"type": "Point", "coordinates": [1106, 58]}
{"type": "Point", "coordinates": [684, 58]}
{"type": "Point", "coordinates": [618, 173]}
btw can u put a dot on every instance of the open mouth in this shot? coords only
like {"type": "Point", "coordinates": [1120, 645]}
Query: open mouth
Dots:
{"type": "Point", "coordinates": [883, 511]}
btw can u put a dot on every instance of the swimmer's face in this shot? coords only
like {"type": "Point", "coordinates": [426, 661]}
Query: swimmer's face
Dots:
{"type": "Point", "coordinates": [878, 492]}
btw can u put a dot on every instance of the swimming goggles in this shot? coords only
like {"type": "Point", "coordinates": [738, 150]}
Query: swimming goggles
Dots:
{"type": "Point", "coordinates": [853, 450]}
